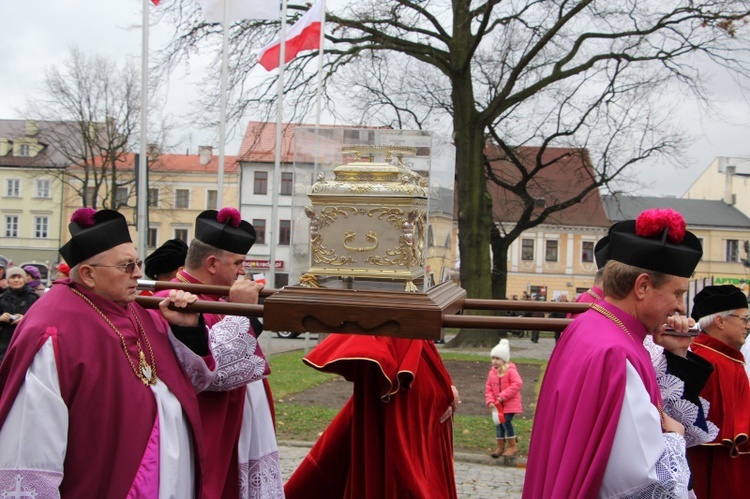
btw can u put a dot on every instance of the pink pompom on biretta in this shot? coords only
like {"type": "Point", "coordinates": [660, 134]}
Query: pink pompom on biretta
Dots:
{"type": "Point", "coordinates": [84, 217]}
{"type": "Point", "coordinates": [651, 223]}
{"type": "Point", "coordinates": [232, 215]}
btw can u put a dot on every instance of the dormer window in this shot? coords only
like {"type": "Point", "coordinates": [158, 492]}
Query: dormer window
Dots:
{"type": "Point", "coordinates": [24, 150]}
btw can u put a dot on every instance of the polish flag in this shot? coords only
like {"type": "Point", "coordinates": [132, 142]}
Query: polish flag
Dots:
{"type": "Point", "coordinates": [213, 10]}
{"type": "Point", "coordinates": [303, 35]}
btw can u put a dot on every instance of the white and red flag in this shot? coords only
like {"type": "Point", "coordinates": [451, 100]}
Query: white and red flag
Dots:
{"type": "Point", "coordinates": [303, 35]}
{"type": "Point", "coordinates": [213, 10]}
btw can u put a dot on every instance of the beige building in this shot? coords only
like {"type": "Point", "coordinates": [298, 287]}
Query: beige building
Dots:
{"type": "Point", "coordinates": [555, 258]}
{"type": "Point", "coordinates": [31, 192]}
{"type": "Point", "coordinates": [726, 179]}
{"type": "Point", "coordinates": [180, 186]}
{"type": "Point", "coordinates": [722, 229]}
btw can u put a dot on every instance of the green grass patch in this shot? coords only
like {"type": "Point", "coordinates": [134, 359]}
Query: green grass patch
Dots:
{"type": "Point", "coordinates": [475, 434]}
{"type": "Point", "coordinates": [289, 375]}
{"type": "Point", "coordinates": [298, 422]}
{"type": "Point", "coordinates": [466, 356]}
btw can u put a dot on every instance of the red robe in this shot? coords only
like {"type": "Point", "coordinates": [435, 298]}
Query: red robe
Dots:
{"type": "Point", "coordinates": [722, 467]}
{"type": "Point", "coordinates": [111, 412]}
{"type": "Point", "coordinates": [387, 441]}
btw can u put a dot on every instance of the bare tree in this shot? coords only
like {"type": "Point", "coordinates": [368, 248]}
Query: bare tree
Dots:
{"type": "Point", "coordinates": [92, 110]}
{"type": "Point", "coordinates": [584, 74]}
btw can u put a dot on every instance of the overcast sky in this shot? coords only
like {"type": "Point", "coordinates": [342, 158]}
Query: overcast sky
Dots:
{"type": "Point", "coordinates": [36, 34]}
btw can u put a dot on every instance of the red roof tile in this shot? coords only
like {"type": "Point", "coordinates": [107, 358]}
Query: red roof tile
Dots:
{"type": "Point", "coordinates": [188, 163]}
{"type": "Point", "coordinates": [568, 171]}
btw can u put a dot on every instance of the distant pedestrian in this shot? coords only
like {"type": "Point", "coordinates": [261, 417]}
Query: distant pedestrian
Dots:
{"type": "Point", "coordinates": [503, 396]}
{"type": "Point", "coordinates": [14, 303]}
{"type": "Point", "coordinates": [3, 265]}
{"type": "Point", "coordinates": [63, 271]}
{"type": "Point", "coordinates": [34, 280]}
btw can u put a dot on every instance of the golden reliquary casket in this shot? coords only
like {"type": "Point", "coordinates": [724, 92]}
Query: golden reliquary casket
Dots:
{"type": "Point", "coordinates": [369, 220]}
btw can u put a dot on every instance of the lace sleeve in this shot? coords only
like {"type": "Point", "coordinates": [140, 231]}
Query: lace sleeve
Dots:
{"type": "Point", "coordinates": [672, 474]}
{"type": "Point", "coordinates": [233, 347]}
{"type": "Point", "coordinates": [677, 404]}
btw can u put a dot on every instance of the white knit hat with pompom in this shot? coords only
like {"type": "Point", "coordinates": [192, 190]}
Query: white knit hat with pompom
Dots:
{"type": "Point", "coordinates": [501, 350]}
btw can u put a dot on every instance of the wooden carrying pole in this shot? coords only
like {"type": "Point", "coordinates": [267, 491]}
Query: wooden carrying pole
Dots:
{"type": "Point", "coordinates": [399, 314]}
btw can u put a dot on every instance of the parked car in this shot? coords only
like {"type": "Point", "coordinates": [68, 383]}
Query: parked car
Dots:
{"type": "Point", "coordinates": [286, 334]}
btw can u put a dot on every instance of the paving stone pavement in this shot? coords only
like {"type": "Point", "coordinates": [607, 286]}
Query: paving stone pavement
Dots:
{"type": "Point", "coordinates": [473, 480]}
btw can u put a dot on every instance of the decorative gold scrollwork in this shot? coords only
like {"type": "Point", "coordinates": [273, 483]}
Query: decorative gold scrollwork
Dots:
{"type": "Point", "coordinates": [393, 216]}
{"type": "Point", "coordinates": [330, 213]}
{"type": "Point", "coordinates": [401, 257]}
{"type": "Point", "coordinates": [309, 281]}
{"type": "Point", "coordinates": [371, 237]}
{"type": "Point", "coordinates": [321, 254]}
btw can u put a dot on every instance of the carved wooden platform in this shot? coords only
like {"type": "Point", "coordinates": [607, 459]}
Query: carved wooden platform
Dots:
{"type": "Point", "coordinates": [357, 311]}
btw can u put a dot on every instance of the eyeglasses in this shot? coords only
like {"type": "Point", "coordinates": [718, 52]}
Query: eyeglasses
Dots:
{"type": "Point", "coordinates": [744, 318]}
{"type": "Point", "coordinates": [128, 267]}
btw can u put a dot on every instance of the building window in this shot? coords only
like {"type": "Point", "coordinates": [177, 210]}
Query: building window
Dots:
{"type": "Point", "coordinates": [153, 198]}
{"type": "Point", "coordinates": [88, 196]}
{"type": "Point", "coordinates": [11, 225]}
{"type": "Point", "coordinates": [550, 252]}
{"type": "Point", "coordinates": [260, 186]}
{"type": "Point", "coordinates": [182, 199]}
{"type": "Point", "coordinates": [733, 250]}
{"type": "Point", "coordinates": [41, 225]}
{"type": "Point", "coordinates": [24, 150]}
{"type": "Point", "coordinates": [260, 230]}
{"type": "Point", "coordinates": [121, 196]}
{"type": "Point", "coordinates": [211, 199]}
{"type": "Point", "coordinates": [527, 249]}
{"type": "Point", "coordinates": [42, 188]}
{"type": "Point", "coordinates": [285, 232]}
{"type": "Point", "coordinates": [181, 234]}
{"type": "Point", "coordinates": [587, 251]}
{"type": "Point", "coordinates": [287, 184]}
{"type": "Point", "coordinates": [13, 188]}
{"type": "Point", "coordinates": [153, 237]}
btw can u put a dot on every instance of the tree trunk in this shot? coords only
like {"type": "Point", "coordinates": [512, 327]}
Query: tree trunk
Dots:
{"type": "Point", "coordinates": [499, 265]}
{"type": "Point", "coordinates": [474, 210]}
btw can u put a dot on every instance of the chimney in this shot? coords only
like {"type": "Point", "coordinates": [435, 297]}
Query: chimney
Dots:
{"type": "Point", "coordinates": [204, 154]}
{"type": "Point", "coordinates": [729, 173]}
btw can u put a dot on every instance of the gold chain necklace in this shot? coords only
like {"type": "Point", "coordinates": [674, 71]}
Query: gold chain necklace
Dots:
{"type": "Point", "coordinates": [594, 294]}
{"type": "Point", "coordinates": [147, 373]}
{"type": "Point", "coordinates": [609, 315]}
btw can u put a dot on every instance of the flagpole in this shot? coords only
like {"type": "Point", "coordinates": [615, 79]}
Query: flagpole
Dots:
{"type": "Point", "coordinates": [223, 106]}
{"type": "Point", "coordinates": [142, 187]}
{"type": "Point", "coordinates": [277, 154]}
{"type": "Point", "coordinates": [319, 90]}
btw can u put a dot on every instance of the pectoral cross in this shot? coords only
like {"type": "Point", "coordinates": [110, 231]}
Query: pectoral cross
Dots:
{"type": "Point", "coordinates": [19, 492]}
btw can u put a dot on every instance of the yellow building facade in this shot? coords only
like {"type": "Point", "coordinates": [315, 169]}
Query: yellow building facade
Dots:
{"type": "Point", "coordinates": [180, 187]}
{"type": "Point", "coordinates": [31, 193]}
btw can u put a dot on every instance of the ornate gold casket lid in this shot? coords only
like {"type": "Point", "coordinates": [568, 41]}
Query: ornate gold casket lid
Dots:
{"type": "Point", "coordinates": [374, 178]}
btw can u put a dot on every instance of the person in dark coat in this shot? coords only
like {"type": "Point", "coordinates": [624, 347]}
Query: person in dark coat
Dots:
{"type": "Point", "coordinates": [14, 303]}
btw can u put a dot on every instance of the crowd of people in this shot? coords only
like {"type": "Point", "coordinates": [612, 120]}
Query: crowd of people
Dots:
{"type": "Point", "coordinates": [632, 405]}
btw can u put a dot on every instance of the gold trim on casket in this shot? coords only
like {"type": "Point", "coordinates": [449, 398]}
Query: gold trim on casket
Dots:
{"type": "Point", "coordinates": [370, 219]}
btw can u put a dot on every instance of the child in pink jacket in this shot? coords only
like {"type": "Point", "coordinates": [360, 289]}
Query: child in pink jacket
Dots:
{"type": "Point", "coordinates": [503, 396]}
